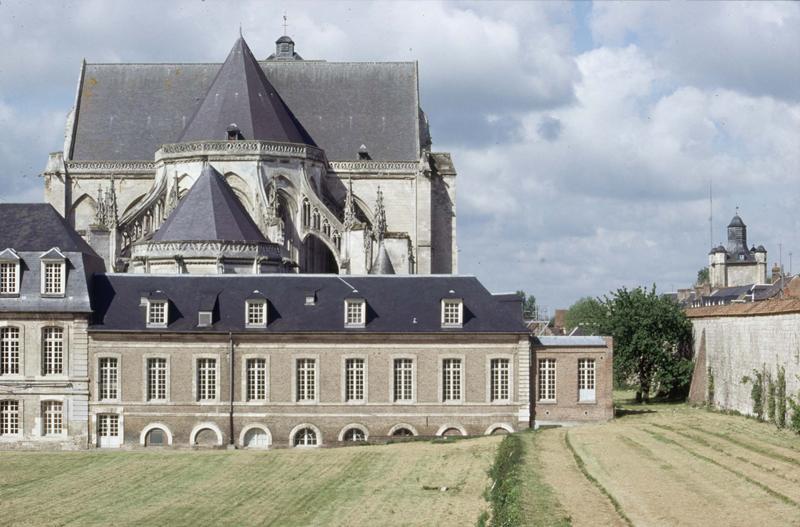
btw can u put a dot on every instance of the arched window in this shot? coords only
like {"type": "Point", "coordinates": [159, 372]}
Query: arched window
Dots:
{"type": "Point", "coordinates": [52, 351]}
{"type": "Point", "coordinates": [326, 228]}
{"type": "Point", "coordinates": [315, 223]}
{"type": "Point", "coordinates": [354, 435]}
{"type": "Point", "coordinates": [156, 437]}
{"type": "Point", "coordinates": [402, 432]}
{"type": "Point", "coordinates": [256, 438]}
{"type": "Point", "coordinates": [9, 351]}
{"type": "Point", "coordinates": [306, 213]}
{"type": "Point", "coordinates": [305, 437]}
{"type": "Point", "coordinates": [337, 240]}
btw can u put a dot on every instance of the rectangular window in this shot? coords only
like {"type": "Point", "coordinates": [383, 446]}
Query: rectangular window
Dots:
{"type": "Point", "coordinates": [53, 278]}
{"type": "Point", "coordinates": [451, 380]}
{"type": "Point", "coordinates": [256, 314]}
{"type": "Point", "coordinates": [354, 379]}
{"type": "Point", "coordinates": [157, 379]}
{"type": "Point", "coordinates": [256, 379]}
{"type": "Point", "coordinates": [157, 313]}
{"type": "Point", "coordinates": [9, 351]}
{"type": "Point", "coordinates": [9, 418]}
{"type": "Point", "coordinates": [306, 379]}
{"type": "Point", "coordinates": [354, 313]}
{"type": "Point", "coordinates": [403, 380]}
{"type": "Point", "coordinates": [499, 379]}
{"type": "Point", "coordinates": [8, 278]}
{"type": "Point", "coordinates": [107, 379]}
{"type": "Point", "coordinates": [108, 425]}
{"type": "Point", "coordinates": [53, 351]}
{"type": "Point", "coordinates": [547, 379]}
{"type": "Point", "coordinates": [586, 380]}
{"type": "Point", "coordinates": [206, 379]}
{"type": "Point", "coordinates": [52, 417]}
{"type": "Point", "coordinates": [452, 313]}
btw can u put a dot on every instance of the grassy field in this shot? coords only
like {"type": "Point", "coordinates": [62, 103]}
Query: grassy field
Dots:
{"type": "Point", "coordinates": [371, 485]}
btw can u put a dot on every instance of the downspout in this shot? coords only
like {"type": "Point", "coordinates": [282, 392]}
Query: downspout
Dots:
{"type": "Point", "coordinates": [231, 441]}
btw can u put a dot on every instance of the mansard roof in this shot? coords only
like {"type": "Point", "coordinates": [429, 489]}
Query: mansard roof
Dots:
{"type": "Point", "coordinates": [210, 211]}
{"type": "Point", "coordinates": [395, 304]}
{"type": "Point", "coordinates": [127, 111]}
{"type": "Point", "coordinates": [241, 94]}
{"type": "Point", "coordinates": [38, 227]}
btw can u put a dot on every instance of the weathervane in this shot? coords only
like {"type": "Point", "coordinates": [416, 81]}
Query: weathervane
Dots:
{"type": "Point", "coordinates": [285, 23]}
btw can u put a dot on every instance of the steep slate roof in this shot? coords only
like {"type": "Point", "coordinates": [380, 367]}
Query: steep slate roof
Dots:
{"type": "Point", "coordinates": [210, 211]}
{"type": "Point", "coordinates": [241, 94]}
{"type": "Point", "coordinates": [127, 111]}
{"type": "Point", "coordinates": [408, 304]}
{"type": "Point", "coordinates": [382, 264]}
{"type": "Point", "coordinates": [38, 227]}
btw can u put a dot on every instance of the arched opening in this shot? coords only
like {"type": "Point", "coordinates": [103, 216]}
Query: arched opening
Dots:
{"type": "Point", "coordinates": [452, 432]}
{"type": "Point", "coordinates": [402, 432]}
{"type": "Point", "coordinates": [305, 437]}
{"type": "Point", "coordinates": [155, 437]}
{"type": "Point", "coordinates": [317, 257]}
{"type": "Point", "coordinates": [499, 432]}
{"type": "Point", "coordinates": [206, 437]}
{"type": "Point", "coordinates": [83, 213]}
{"type": "Point", "coordinates": [256, 438]}
{"type": "Point", "coordinates": [354, 433]}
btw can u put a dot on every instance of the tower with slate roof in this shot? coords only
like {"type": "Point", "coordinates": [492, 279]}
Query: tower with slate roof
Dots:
{"type": "Point", "coordinates": [734, 264]}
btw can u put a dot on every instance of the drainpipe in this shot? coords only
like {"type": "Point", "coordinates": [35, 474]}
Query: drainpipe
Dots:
{"type": "Point", "coordinates": [231, 441]}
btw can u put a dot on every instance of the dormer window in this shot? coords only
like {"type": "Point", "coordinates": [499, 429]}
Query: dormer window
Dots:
{"type": "Point", "coordinates": [452, 313]}
{"type": "Point", "coordinates": [54, 266]}
{"type": "Point", "coordinates": [9, 272]}
{"type": "Point", "coordinates": [355, 313]}
{"type": "Point", "coordinates": [256, 312]}
{"type": "Point", "coordinates": [157, 310]}
{"type": "Point", "coordinates": [311, 298]}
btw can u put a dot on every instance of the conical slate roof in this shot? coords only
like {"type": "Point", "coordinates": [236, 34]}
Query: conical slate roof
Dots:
{"type": "Point", "coordinates": [736, 222]}
{"type": "Point", "coordinates": [242, 95]}
{"type": "Point", "coordinates": [382, 264]}
{"type": "Point", "coordinates": [210, 211]}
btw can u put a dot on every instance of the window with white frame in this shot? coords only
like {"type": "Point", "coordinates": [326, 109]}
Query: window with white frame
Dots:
{"type": "Point", "coordinates": [403, 380]}
{"type": "Point", "coordinates": [157, 379]}
{"type": "Point", "coordinates": [157, 313]}
{"type": "Point", "coordinates": [108, 425]}
{"type": "Point", "coordinates": [9, 418]}
{"type": "Point", "coordinates": [354, 435]}
{"type": "Point", "coordinates": [306, 379]}
{"type": "Point", "coordinates": [452, 313]}
{"type": "Point", "coordinates": [451, 380]}
{"type": "Point", "coordinates": [499, 379]}
{"type": "Point", "coordinates": [256, 313]}
{"type": "Point", "coordinates": [9, 278]}
{"type": "Point", "coordinates": [586, 379]}
{"type": "Point", "coordinates": [256, 379]}
{"type": "Point", "coordinates": [547, 379]}
{"type": "Point", "coordinates": [53, 278]}
{"type": "Point", "coordinates": [107, 379]}
{"type": "Point", "coordinates": [53, 351]}
{"type": "Point", "coordinates": [305, 437]}
{"type": "Point", "coordinates": [9, 351]}
{"type": "Point", "coordinates": [52, 417]}
{"type": "Point", "coordinates": [354, 379]}
{"type": "Point", "coordinates": [206, 379]}
{"type": "Point", "coordinates": [354, 312]}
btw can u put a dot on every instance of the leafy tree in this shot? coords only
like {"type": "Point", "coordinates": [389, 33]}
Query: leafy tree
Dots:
{"type": "Point", "coordinates": [587, 312]}
{"type": "Point", "coordinates": [703, 277]}
{"type": "Point", "coordinates": [652, 342]}
{"type": "Point", "coordinates": [529, 307]}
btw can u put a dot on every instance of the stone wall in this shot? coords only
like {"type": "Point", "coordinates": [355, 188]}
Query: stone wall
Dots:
{"type": "Point", "coordinates": [736, 339]}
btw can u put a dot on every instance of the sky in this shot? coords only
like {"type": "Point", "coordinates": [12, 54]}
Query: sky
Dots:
{"type": "Point", "coordinates": [586, 135]}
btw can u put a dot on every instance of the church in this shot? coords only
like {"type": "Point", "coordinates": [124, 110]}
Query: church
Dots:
{"type": "Point", "coordinates": [260, 253]}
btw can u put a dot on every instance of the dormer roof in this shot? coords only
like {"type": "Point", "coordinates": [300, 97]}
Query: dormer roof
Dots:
{"type": "Point", "coordinates": [53, 254]}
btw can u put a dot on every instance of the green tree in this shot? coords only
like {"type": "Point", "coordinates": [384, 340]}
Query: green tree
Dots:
{"type": "Point", "coordinates": [703, 277]}
{"type": "Point", "coordinates": [652, 342]}
{"type": "Point", "coordinates": [529, 307]}
{"type": "Point", "coordinates": [587, 312]}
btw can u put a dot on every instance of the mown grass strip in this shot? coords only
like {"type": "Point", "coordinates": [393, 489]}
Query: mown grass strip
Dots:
{"type": "Point", "coordinates": [775, 494]}
{"type": "Point", "coordinates": [751, 447]}
{"type": "Point", "coordinates": [540, 505]}
{"type": "Point", "coordinates": [593, 480]}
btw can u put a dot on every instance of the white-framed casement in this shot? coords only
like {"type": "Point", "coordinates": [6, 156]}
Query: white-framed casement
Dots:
{"type": "Point", "coordinates": [143, 436]}
{"type": "Point", "coordinates": [354, 379]}
{"type": "Point", "coordinates": [10, 272]}
{"type": "Point", "coordinates": [452, 378]}
{"type": "Point", "coordinates": [205, 426]}
{"type": "Point", "coordinates": [355, 313]}
{"type": "Point", "coordinates": [53, 351]}
{"type": "Point", "coordinates": [53, 273]}
{"type": "Point", "coordinates": [11, 418]}
{"type": "Point", "coordinates": [12, 358]}
{"type": "Point", "coordinates": [452, 312]}
{"type": "Point", "coordinates": [53, 418]}
{"type": "Point", "coordinates": [109, 428]}
{"type": "Point", "coordinates": [255, 436]}
{"type": "Point", "coordinates": [206, 378]}
{"type": "Point", "coordinates": [305, 435]}
{"type": "Point", "coordinates": [354, 432]}
{"type": "Point", "coordinates": [255, 313]}
{"type": "Point", "coordinates": [587, 380]}
{"type": "Point", "coordinates": [499, 378]}
{"type": "Point", "coordinates": [305, 378]}
{"type": "Point", "coordinates": [255, 380]}
{"type": "Point", "coordinates": [157, 313]}
{"type": "Point", "coordinates": [107, 378]}
{"type": "Point", "coordinates": [403, 378]}
{"type": "Point", "coordinates": [546, 387]}
{"type": "Point", "coordinates": [156, 376]}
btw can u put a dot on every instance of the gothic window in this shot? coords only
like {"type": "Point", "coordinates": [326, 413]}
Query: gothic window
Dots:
{"type": "Point", "coordinates": [586, 380]}
{"type": "Point", "coordinates": [547, 380]}
{"type": "Point", "coordinates": [499, 379]}
{"type": "Point", "coordinates": [157, 379]}
{"type": "Point", "coordinates": [52, 351]}
{"type": "Point", "coordinates": [452, 313]}
{"type": "Point", "coordinates": [403, 380]}
{"type": "Point", "coordinates": [52, 417]}
{"type": "Point", "coordinates": [305, 437]}
{"type": "Point", "coordinates": [326, 228]}
{"type": "Point", "coordinates": [256, 379]}
{"type": "Point", "coordinates": [9, 418]}
{"type": "Point", "coordinates": [206, 379]}
{"type": "Point", "coordinates": [315, 220]}
{"type": "Point", "coordinates": [354, 373]}
{"type": "Point", "coordinates": [451, 380]}
{"type": "Point", "coordinates": [9, 351]}
{"type": "Point", "coordinates": [306, 213]}
{"type": "Point", "coordinates": [354, 312]}
{"type": "Point", "coordinates": [256, 313]}
{"type": "Point", "coordinates": [306, 380]}
{"type": "Point", "coordinates": [337, 240]}
{"type": "Point", "coordinates": [107, 387]}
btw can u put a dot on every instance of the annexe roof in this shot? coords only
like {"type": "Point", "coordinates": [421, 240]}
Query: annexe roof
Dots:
{"type": "Point", "coordinates": [395, 304]}
{"type": "Point", "coordinates": [38, 227]}
{"type": "Point", "coordinates": [210, 211]}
